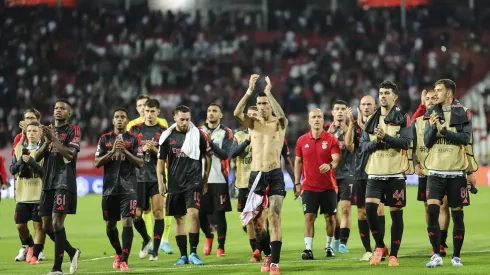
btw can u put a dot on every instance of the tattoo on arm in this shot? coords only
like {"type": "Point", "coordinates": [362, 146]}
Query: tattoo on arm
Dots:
{"type": "Point", "coordinates": [276, 107]}
{"type": "Point", "coordinates": [238, 113]}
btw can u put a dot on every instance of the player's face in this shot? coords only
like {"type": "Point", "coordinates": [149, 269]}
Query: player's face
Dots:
{"type": "Point", "coordinates": [387, 97]}
{"type": "Point", "coordinates": [430, 99]}
{"type": "Point", "coordinates": [214, 114]}
{"type": "Point", "coordinates": [120, 120]}
{"type": "Point", "coordinates": [441, 94]}
{"type": "Point", "coordinates": [315, 119]}
{"type": "Point", "coordinates": [253, 114]}
{"type": "Point", "coordinates": [151, 114]}
{"type": "Point", "coordinates": [338, 112]}
{"type": "Point", "coordinates": [367, 106]}
{"type": "Point", "coordinates": [33, 133]}
{"type": "Point", "coordinates": [140, 106]}
{"type": "Point", "coordinates": [182, 120]}
{"type": "Point", "coordinates": [265, 108]}
{"type": "Point", "coordinates": [30, 117]}
{"type": "Point", "coordinates": [62, 111]}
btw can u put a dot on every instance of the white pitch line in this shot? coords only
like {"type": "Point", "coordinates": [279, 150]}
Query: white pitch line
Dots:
{"type": "Point", "coordinates": [245, 264]}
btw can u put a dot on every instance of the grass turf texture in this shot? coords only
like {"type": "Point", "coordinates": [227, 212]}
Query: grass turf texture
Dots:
{"type": "Point", "coordinates": [86, 230]}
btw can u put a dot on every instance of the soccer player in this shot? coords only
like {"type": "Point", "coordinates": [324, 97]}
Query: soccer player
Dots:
{"type": "Point", "coordinates": [317, 154]}
{"type": "Point", "coordinates": [386, 138]}
{"type": "Point", "coordinates": [243, 154]}
{"type": "Point", "coordinates": [28, 175]}
{"type": "Point", "coordinates": [59, 195]}
{"type": "Point", "coordinates": [366, 109]}
{"type": "Point", "coordinates": [149, 132]}
{"type": "Point", "coordinates": [267, 140]}
{"type": "Point", "coordinates": [216, 202]}
{"type": "Point", "coordinates": [120, 152]}
{"type": "Point", "coordinates": [447, 133]}
{"type": "Point", "coordinates": [147, 216]}
{"type": "Point", "coordinates": [343, 172]}
{"type": "Point", "coordinates": [183, 146]}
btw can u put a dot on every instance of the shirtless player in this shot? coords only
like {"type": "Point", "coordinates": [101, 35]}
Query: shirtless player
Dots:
{"type": "Point", "coordinates": [267, 136]}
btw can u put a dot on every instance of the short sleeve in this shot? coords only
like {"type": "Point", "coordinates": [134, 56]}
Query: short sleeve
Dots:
{"type": "Point", "coordinates": [335, 148]}
{"type": "Point", "coordinates": [299, 148]}
{"type": "Point", "coordinates": [101, 150]}
{"type": "Point", "coordinates": [162, 150]}
{"type": "Point", "coordinates": [74, 138]}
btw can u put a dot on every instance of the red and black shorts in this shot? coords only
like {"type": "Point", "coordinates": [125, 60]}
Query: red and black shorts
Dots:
{"type": "Point", "coordinates": [347, 191]}
{"type": "Point", "coordinates": [326, 201]}
{"type": "Point", "coordinates": [422, 189]}
{"type": "Point", "coordinates": [216, 199]}
{"type": "Point", "coordinates": [455, 189]}
{"type": "Point", "coordinates": [392, 191]}
{"type": "Point", "coordinates": [57, 201]}
{"type": "Point", "coordinates": [117, 206]}
{"type": "Point", "coordinates": [25, 212]}
{"type": "Point", "coordinates": [274, 179]}
{"type": "Point", "coordinates": [178, 203]}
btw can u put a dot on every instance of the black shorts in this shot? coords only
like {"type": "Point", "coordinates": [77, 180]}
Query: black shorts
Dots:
{"type": "Point", "coordinates": [25, 212]}
{"type": "Point", "coordinates": [421, 192]}
{"type": "Point", "coordinates": [326, 201]}
{"type": "Point", "coordinates": [178, 203]}
{"type": "Point", "coordinates": [242, 198]}
{"type": "Point", "coordinates": [57, 201]}
{"type": "Point", "coordinates": [117, 206]}
{"type": "Point", "coordinates": [346, 190]}
{"type": "Point", "coordinates": [360, 197]}
{"type": "Point", "coordinates": [455, 189]}
{"type": "Point", "coordinates": [391, 192]}
{"type": "Point", "coordinates": [274, 179]}
{"type": "Point", "coordinates": [216, 199]}
{"type": "Point", "coordinates": [146, 190]}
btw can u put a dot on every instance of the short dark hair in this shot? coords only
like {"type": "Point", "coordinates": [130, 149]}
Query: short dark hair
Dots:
{"type": "Point", "coordinates": [35, 111]}
{"type": "Point", "coordinates": [340, 102]}
{"type": "Point", "coordinates": [181, 109]}
{"type": "Point", "coordinates": [253, 108]}
{"type": "Point", "coordinates": [140, 97]}
{"type": "Point", "coordinates": [120, 109]}
{"type": "Point", "coordinates": [33, 123]}
{"type": "Point", "coordinates": [389, 85]}
{"type": "Point", "coordinates": [152, 103]}
{"type": "Point", "coordinates": [64, 101]}
{"type": "Point", "coordinates": [448, 84]}
{"type": "Point", "coordinates": [261, 94]}
{"type": "Point", "coordinates": [217, 105]}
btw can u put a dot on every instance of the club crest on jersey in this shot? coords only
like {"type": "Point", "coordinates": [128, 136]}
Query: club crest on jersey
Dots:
{"type": "Point", "coordinates": [324, 145]}
{"type": "Point", "coordinates": [62, 136]}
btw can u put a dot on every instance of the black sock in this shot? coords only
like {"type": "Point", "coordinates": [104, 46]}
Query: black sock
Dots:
{"type": "Point", "coordinates": [396, 231]}
{"type": "Point", "coordinates": [50, 235]}
{"type": "Point", "coordinates": [193, 241]}
{"type": "Point", "coordinates": [222, 227]}
{"type": "Point", "coordinates": [127, 241]}
{"type": "Point", "coordinates": [23, 241]}
{"type": "Point", "coordinates": [157, 234]}
{"type": "Point", "coordinates": [444, 238]}
{"type": "Point", "coordinates": [140, 226]}
{"type": "Point", "coordinates": [182, 244]}
{"type": "Point", "coordinates": [205, 225]}
{"type": "Point", "coordinates": [113, 236]}
{"type": "Point", "coordinates": [382, 226]}
{"type": "Point", "coordinates": [364, 232]}
{"type": "Point", "coordinates": [29, 241]}
{"type": "Point", "coordinates": [458, 231]}
{"type": "Point", "coordinates": [374, 224]}
{"type": "Point", "coordinates": [37, 249]}
{"type": "Point", "coordinates": [59, 248]}
{"type": "Point", "coordinates": [253, 244]}
{"type": "Point", "coordinates": [263, 241]}
{"type": "Point", "coordinates": [433, 229]}
{"type": "Point", "coordinates": [344, 235]}
{"type": "Point", "coordinates": [276, 251]}
{"type": "Point", "coordinates": [336, 234]}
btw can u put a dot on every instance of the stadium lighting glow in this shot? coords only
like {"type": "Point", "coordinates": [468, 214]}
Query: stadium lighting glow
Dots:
{"type": "Point", "coordinates": [174, 5]}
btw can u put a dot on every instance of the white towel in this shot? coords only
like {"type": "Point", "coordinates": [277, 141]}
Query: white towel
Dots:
{"type": "Point", "coordinates": [253, 204]}
{"type": "Point", "coordinates": [191, 142]}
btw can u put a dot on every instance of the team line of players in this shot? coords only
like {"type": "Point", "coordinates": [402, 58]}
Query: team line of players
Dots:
{"type": "Point", "coordinates": [183, 171]}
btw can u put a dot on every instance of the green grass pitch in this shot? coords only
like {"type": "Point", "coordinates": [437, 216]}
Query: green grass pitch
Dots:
{"type": "Point", "coordinates": [86, 230]}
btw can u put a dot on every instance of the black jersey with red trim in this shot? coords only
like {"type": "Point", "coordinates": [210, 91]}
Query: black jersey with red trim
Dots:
{"type": "Point", "coordinates": [148, 173]}
{"type": "Point", "coordinates": [345, 168]}
{"type": "Point", "coordinates": [59, 173]}
{"type": "Point", "coordinates": [119, 173]}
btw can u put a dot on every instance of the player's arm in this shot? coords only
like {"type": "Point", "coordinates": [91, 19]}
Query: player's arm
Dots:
{"type": "Point", "coordinates": [42, 151]}
{"type": "Point", "coordinates": [402, 142]}
{"type": "Point", "coordinates": [224, 152]}
{"type": "Point", "coordinates": [463, 137]}
{"type": "Point", "coordinates": [336, 154]}
{"type": "Point", "coordinates": [101, 155]}
{"type": "Point", "coordinates": [240, 108]}
{"type": "Point", "coordinates": [298, 168]}
{"type": "Point", "coordinates": [276, 107]}
{"type": "Point", "coordinates": [161, 163]}
{"type": "Point", "coordinates": [238, 149]}
{"type": "Point", "coordinates": [414, 144]}
{"type": "Point", "coordinates": [16, 165]}
{"type": "Point", "coordinates": [67, 152]}
{"type": "Point", "coordinates": [430, 132]}
{"type": "Point", "coordinates": [135, 155]}
{"type": "Point", "coordinates": [367, 145]}
{"type": "Point", "coordinates": [349, 137]}
{"type": "Point", "coordinates": [207, 169]}
{"type": "Point", "coordinates": [205, 148]}
{"type": "Point", "coordinates": [38, 169]}
{"type": "Point", "coordinates": [288, 163]}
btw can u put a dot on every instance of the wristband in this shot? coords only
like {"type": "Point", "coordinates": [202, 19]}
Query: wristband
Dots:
{"type": "Point", "coordinates": [249, 92]}
{"type": "Point", "coordinates": [297, 184]}
{"type": "Point", "coordinates": [331, 166]}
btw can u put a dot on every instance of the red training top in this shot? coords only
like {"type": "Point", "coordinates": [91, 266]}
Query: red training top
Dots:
{"type": "Point", "coordinates": [419, 112]}
{"type": "Point", "coordinates": [316, 152]}
{"type": "Point", "coordinates": [3, 171]}
{"type": "Point", "coordinates": [16, 141]}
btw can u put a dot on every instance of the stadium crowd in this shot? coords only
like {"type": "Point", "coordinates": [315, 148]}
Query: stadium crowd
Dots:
{"type": "Point", "coordinates": [99, 59]}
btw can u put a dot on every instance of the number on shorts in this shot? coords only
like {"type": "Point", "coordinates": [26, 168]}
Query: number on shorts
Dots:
{"type": "Point", "coordinates": [399, 194]}
{"type": "Point", "coordinates": [222, 199]}
{"type": "Point", "coordinates": [350, 186]}
{"type": "Point", "coordinates": [60, 199]}
{"type": "Point", "coordinates": [132, 204]}
{"type": "Point", "coordinates": [464, 192]}
{"type": "Point", "coordinates": [197, 196]}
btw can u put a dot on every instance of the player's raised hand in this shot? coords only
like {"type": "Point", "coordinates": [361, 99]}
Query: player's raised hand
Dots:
{"type": "Point", "coordinates": [422, 100]}
{"type": "Point", "coordinates": [380, 134]}
{"type": "Point", "coordinates": [350, 115]}
{"type": "Point", "coordinates": [252, 81]}
{"type": "Point", "coordinates": [48, 132]}
{"type": "Point", "coordinates": [331, 129]}
{"type": "Point", "coordinates": [433, 119]}
{"type": "Point", "coordinates": [268, 87]}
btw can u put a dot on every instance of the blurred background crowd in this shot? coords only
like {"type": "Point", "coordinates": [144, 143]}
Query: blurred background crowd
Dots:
{"type": "Point", "coordinates": [100, 57]}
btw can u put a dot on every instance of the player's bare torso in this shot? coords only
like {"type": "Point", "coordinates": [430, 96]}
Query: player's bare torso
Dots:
{"type": "Point", "coordinates": [267, 141]}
